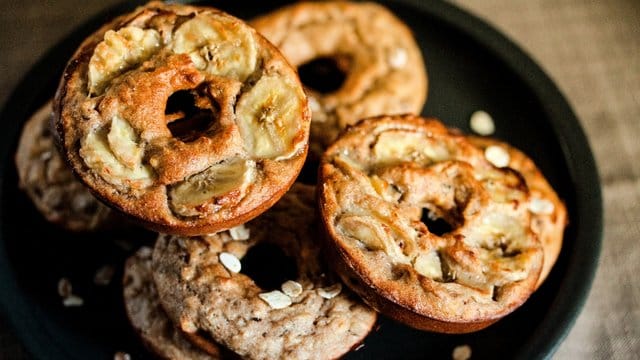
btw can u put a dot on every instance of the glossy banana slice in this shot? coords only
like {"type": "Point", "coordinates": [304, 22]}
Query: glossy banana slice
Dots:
{"type": "Point", "coordinates": [399, 144]}
{"type": "Point", "coordinates": [123, 142]}
{"type": "Point", "coordinates": [217, 46]}
{"type": "Point", "coordinates": [235, 175]}
{"type": "Point", "coordinates": [119, 51]}
{"type": "Point", "coordinates": [97, 154]}
{"type": "Point", "coordinates": [268, 118]}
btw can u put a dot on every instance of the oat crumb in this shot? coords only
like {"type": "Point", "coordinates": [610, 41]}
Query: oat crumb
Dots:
{"type": "Point", "coordinates": [461, 352]}
{"type": "Point", "coordinates": [497, 156]}
{"type": "Point", "coordinates": [482, 123]}
{"type": "Point", "coordinates": [72, 301]}
{"type": "Point", "coordinates": [276, 299]}
{"type": "Point", "coordinates": [64, 287]}
{"type": "Point", "coordinates": [104, 275]}
{"type": "Point", "coordinates": [230, 262]}
{"type": "Point", "coordinates": [120, 355]}
{"type": "Point", "coordinates": [330, 292]}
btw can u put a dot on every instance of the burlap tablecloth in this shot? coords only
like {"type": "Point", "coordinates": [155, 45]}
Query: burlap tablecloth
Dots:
{"type": "Point", "coordinates": [591, 49]}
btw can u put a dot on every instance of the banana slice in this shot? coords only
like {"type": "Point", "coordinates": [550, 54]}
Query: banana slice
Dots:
{"type": "Point", "coordinates": [217, 45]}
{"type": "Point", "coordinates": [373, 235]}
{"type": "Point", "coordinates": [119, 51]}
{"type": "Point", "coordinates": [123, 142]}
{"type": "Point", "coordinates": [188, 197]}
{"type": "Point", "coordinates": [395, 146]}
{"type": "Point", "coordinates": [98, 155]}
{"type": "Point", "coordinates": [429, 265]}
{"type": "Point", "coordinates": [268, 117]}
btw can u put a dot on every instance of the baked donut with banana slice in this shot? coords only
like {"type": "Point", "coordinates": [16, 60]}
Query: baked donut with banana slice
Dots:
{"type": "Point", "coordinates": [183, 117]}
{"type": "Point", "coordinates": [356, 60]}
{"type": "Point", "coordinates": [424, 228]}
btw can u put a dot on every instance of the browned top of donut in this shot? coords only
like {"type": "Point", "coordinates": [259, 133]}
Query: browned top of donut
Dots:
{"type": "Point", "coordinates": [548, 212]}
{"type": "Point", "coordinates": [183, 117]}
{"type": "Point", "coordinates": [386, 179]}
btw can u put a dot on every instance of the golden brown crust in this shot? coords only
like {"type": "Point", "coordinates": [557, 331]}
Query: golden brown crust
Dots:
{"type": "Point", "coordinates": [47, 180]}
{"type": "Point", "coordinates": [129, 145]}
{"type": "Point", "coordinates": [202, 295]}
{"type": "Point", "coordinates": [205, 344]}
{"type": "Point", "coordinates": [378, 178]}
{"type": "Point", "coordinates": [385, 72]}
{"type": "Point", "coordinates": [149, 319]}
{"type": "Point", "coordinates": [549, 226]}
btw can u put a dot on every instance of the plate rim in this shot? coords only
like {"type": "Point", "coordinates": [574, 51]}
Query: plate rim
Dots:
{"type": "Point", "coordinates": [580, 271]}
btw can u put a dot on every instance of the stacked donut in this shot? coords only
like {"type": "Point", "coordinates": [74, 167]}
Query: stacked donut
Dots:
{"type": "Point", "coordinates": [190, 122]}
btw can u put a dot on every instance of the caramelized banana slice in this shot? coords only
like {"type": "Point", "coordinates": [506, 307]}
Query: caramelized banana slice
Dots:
{"type": "Point", "coordinates": [123, 142]}
{"type": "Point", "coordinates": [217, 45]}
{"type": "Point", "coordinates": [98, 155]}
{"type": "Point", "coordinates": [119, 51]}
{"type": "Point", "coordinates": [190, 197]}
{"type": "Point", "coordinates": [268, 118]}
{"type": "Point", "coordinates": [429, 265]}
{"type": "Point", "coordinates": [399, 144]}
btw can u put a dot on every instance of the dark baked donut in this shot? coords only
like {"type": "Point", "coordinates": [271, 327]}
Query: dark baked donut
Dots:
{"type": "Point", "coordinates": [147, 316]}
{"type": "Point", "coordinates": [49, 182]}
{"type": "Point", "coordinates": [389, 185]}
{"type": "Point", "coordinates": [310, 317]}
{"type": "Point", "coordinates": [182, 117]}
{"type": "Point", "coordinates": [356, 60]}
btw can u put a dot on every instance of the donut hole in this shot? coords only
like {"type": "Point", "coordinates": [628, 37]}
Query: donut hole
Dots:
{"type": "Point", "coordinates": [190, 115]}
{"type": "Point", "coordinates": [268, 266]}
{"type": "Point", "coordinates": [325, 74]}
{"type": "Point", "coordinates": [436, 224]}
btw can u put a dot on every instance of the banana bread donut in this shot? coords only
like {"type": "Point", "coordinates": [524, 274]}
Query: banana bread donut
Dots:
{"type": "Point", "coordinates": [355, 59]}
{"type": "Point", "coordinates": [147, 317]}
{"type": "Point", "coordinates": [49, 182]}
{"type": "Point", "coordinates": [424, 228]}
{"type": "Point", "coordinates": [548, 212]}
{"type": "Point", "coordinates": [310, 317]}
{"type": "Point", "coordinates": [182, 117]}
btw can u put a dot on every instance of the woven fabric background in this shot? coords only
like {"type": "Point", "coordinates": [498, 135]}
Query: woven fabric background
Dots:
{"type": "Point", "coordinates": [591, 49]}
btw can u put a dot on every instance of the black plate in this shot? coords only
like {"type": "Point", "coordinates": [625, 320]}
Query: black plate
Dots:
{"type": "Point", "coordinates": [471, 66]}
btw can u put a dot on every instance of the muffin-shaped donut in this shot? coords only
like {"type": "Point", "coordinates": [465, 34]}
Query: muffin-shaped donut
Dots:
{"type": "Point", "coordinates": [424, 228]}
{"type": "Point", "coordinates": [356, 60]}
{"type": "Point", "coordinates": [308, 316]}
{"type": "Point", "coordinates": [48, 181]}
{"type": "Point", "coordinates": [147, 316]}
{"type": "Point", "coordinates": [182, 117]}
{"type": "Point", "coordinates": [548, 212]}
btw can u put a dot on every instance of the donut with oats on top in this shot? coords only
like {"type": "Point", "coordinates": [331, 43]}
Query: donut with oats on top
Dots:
{"type": "Point", "coordinates": [424, 228]}
{"type": "Point", "coordinates": [182, 117]}
{"type": "Point", "coordinates": [304, 316]}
